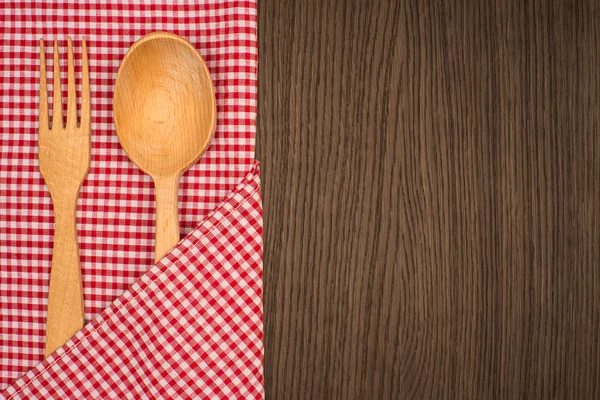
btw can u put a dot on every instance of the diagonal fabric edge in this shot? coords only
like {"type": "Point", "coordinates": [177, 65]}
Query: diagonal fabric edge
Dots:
{"type": "Point", "coordinates": [190, 327]}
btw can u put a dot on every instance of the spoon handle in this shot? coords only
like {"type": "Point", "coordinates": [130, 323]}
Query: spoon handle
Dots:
{"type": "Point", "coordinates": [167, 220]}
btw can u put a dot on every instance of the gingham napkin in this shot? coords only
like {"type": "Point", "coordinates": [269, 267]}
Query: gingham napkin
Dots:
{"type": "Point", "coordinates": [189, 326]}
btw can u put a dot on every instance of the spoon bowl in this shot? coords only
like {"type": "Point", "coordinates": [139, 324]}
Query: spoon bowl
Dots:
{"type": "Point", "coordinates": [165, 116]}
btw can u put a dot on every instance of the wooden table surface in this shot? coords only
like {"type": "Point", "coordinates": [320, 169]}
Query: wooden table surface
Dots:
{"type": "Point", "coordinates": [430, 173]}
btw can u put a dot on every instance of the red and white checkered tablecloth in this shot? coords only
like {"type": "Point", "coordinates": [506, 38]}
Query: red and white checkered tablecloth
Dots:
{"type": "Point", "coordinates": [189, 326]}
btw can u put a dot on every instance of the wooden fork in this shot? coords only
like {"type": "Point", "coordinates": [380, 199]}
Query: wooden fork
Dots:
{"type": "Point", "coordinates": [64, 155]}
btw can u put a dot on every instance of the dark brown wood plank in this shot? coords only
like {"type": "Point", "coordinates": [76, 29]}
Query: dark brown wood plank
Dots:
{"type": "Point", "coordinates": [431, 198]}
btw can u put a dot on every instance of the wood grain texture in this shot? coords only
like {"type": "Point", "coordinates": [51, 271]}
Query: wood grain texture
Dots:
{"type": "Point", "coordinates": [64, 154]}
{"type": "Point", "coordinates": [165, 116]}
{"type": "Point", "coordinates": [430, 174]}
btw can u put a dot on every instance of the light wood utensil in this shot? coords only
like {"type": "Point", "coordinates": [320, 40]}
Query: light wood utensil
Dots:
{"type": "Point", "coordinates": [165, 116]}
{"type": "Point", "coordinates": [64, 155]}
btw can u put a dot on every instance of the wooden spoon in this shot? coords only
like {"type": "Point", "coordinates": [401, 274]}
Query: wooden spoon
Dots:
{"type": "Point", "coordinates": [165, 117]}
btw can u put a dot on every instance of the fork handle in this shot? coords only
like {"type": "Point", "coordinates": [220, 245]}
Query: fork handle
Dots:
{"type": "Point", "coordinates": [167, 220]}
{"type": "Point", "coordinates": [65, 295]}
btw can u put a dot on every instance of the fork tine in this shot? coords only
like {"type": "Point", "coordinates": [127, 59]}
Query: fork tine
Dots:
{"type": "Point", "coordinates": [57, 119]}
{"type": "Point", "coordinates": [85, 88]}
{"type": "Point", "coordinates": [43, 115]}
{"type": "Point", "coordinates": [72, 97]}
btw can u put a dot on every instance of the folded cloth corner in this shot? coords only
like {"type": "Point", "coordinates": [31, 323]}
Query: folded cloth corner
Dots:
{"type": "Point", "coordinates": [191, 327]}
